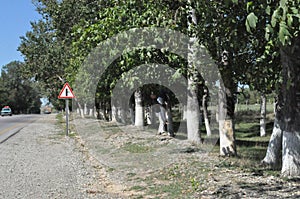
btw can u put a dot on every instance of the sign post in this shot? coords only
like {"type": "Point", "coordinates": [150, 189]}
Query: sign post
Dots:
{"type": "Point", "coordinates": [66, 93]}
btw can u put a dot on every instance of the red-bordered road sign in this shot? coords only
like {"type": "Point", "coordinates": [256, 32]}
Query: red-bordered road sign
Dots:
{"type": "Point", "coordinates": [66, 92]}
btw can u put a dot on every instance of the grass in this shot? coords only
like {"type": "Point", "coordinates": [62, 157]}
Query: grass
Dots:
{"type": "Point", "coordinates": [62, 124]}
{"type": "Point", "coordinates": [137, 148]}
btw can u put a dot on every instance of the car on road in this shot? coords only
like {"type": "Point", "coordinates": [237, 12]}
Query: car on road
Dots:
{"type": "Point", "coordinates": [6, 110]}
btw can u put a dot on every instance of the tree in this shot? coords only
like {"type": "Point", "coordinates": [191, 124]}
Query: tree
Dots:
{"type": "Point", "coordinates": [116, 18]}
{"type": "Point", "coordinates": [18, 92]}
{"type": "Point", "coordinates": [46, 47]}
{"type": "Point", "coordinates": [283, 31]}
{"type": "Point", "coordinates": [193, 109]}
{"type": "Point", "coordinates": [221, 30]}
{"type": "Point", "coordinates": [250, 58]}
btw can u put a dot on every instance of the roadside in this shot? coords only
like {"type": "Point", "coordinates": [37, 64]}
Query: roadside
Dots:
{"type": "Point", "coordinates": [40, 162]}
{"type": "Point", "coordinates": [106, 160]}
{"type": "Point", "coordinates": [137, 163]}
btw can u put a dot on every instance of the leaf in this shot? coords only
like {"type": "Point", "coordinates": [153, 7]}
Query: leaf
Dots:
{"type": "Point", "coordinates": [274, 18]}
{"type": "Point", "coordinates": [289, 20]}
{"type": "Point", "coordinates": [268, 10]}
{"type": "Point", "coordinates": [251, 21]}
{"type": "Point", "coordinates": [284, 34]}
{"type": "Point", "coordinates": [269, 31]}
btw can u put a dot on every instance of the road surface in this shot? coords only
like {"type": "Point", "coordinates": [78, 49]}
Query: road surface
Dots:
{"type": "Point", "coordinates": [41, 162]}
{"type": "Point", "coordinates": [10, 125]}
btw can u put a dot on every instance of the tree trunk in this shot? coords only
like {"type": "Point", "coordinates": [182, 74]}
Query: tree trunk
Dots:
{"type": "Point", "coordinates": [193, 111]}
{"type": "Point", "coordinates": [80, 110]}
{"type": "Point", "coordinates": [291, 154]}
{"type": "Point", "coordinates": [102, 113]}
{"type": "Point", "coordinates": [91, 112]}
{"type": "Point", "coordinates": [95, 112]}
{"type": "Point", "coordinates": [262, 122]}
{"type": "Point", "coordinates": [226, 109]}
{"type": "Point", "coordinates": [273, 156]}
{"type": "Point", "coordinates": [139, 110]}
{"type": "Point", "coordinates": [193, 118]}
{"type": "Point", "coordinates": [114, 113]}
{"type": "Point", "coordinates": [85, 109]}
{"type": "Point", "coordinates": [290, 57]}
{"type": "Point", "coordinates": [107, 111]}
{"type": "Point", "coordinates": [226, 127]}
{"type": "Point", "coordinates": [205, 114]}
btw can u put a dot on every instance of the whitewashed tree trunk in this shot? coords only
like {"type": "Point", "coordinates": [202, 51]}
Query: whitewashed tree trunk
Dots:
{"type": "Point", "coordinates": [193, 111]}
{"type": "Point", "coordinates": [262, 122]}
{"type": "Point", "coordinates": [193, 116]}
{"type": "Point", "coordinates": [139, 110]}
{"type": "Point", "coordinates": [95, 112]}
{"type": "Point", "coordinates": [290, 56]}
{"type": "Point", "coordinates": [85, 109]}
{"type": "Point", "coordinates": [91, 112]}
{"type": "Point", "coordinates": [80, 110]}
{"type": "Point", "coordinates": [273, 155]}
{"type": "Point", "coordinates": [290, 154]}
{"type": "Point", "coordinates": [205, 115]}
{"type": "Point", "coordinates": [114, 113]}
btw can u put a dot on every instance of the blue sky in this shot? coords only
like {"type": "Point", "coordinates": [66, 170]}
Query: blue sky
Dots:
{"type": "Point", "coordinates": [15, 17]}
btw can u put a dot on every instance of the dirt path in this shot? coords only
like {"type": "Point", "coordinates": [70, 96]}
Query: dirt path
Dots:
{"type": "Point", "coordinates": [137, 163]}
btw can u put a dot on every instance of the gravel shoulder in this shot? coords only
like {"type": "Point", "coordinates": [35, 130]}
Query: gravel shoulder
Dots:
{"type": "Point", "coordinates": [40, 162]}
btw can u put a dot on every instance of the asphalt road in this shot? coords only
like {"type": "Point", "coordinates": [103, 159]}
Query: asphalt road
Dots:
{"type": "Point", "coordinates": [10, 125]}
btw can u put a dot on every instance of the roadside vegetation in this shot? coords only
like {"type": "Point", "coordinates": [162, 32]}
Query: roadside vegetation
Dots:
{"type": "Point", "coordinates": [152, 166]}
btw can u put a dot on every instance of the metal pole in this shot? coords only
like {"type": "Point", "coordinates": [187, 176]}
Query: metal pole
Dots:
{"type": "Point", "coordinates": [67, 117]}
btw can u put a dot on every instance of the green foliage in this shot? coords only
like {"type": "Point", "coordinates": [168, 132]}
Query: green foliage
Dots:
{"type": "Point", "coordinates": [284, 22]}
{"type": "Point", "coordinates": [57, 46]}
{"type": "Point", "coordinates": [21, 94]}
{"type": "Point", "coordinates": [116, 18]}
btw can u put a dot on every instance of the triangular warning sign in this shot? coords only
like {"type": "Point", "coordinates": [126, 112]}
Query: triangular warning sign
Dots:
{"type": "Point", "coordinates": [66, 92]}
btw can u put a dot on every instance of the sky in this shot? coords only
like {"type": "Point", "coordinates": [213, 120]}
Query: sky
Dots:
{"type": "Point", "coordinates": [15, 17]}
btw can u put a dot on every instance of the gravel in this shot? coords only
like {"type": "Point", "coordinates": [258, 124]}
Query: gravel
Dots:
{"type": "Point", "coordinates": [40, 162]}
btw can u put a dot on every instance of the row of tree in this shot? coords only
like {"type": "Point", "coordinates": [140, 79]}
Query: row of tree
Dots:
{"type": "Point", "coordinates": [253, 43]}
{"type": "Point", "coordinates": [22, 95]}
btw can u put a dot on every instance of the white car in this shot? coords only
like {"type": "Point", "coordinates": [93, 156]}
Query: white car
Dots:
{"type": "Point", "coordinates": [6, 110]}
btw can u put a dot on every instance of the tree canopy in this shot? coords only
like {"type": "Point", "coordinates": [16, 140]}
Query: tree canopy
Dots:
{"type": "Point", "coordinates": [250, 35]}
